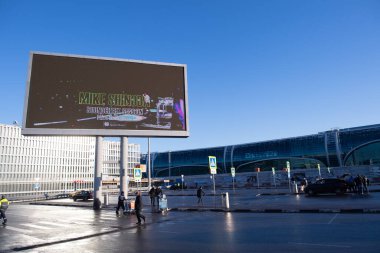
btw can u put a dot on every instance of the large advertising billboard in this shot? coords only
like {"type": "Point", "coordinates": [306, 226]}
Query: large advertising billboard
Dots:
{"type": "Point", "coordinates": [82, 95]}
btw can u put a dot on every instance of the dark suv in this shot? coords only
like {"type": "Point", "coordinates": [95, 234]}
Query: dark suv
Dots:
{"type": "Point", "coordinates": [328, 185]}
{"type": "Point", "coordinates": [85, 195]}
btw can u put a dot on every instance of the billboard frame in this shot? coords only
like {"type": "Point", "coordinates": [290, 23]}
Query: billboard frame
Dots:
{"type": "Point", "coordinates": [104, 132]}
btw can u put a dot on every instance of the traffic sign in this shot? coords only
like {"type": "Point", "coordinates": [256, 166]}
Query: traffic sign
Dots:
{"type": "Point", "coordinates": [212, 164]}
{"type": "Point", "coordinates": [137, 174]}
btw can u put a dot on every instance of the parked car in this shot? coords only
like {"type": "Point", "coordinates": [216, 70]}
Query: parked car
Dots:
{"type": "Point", "coordinates": [61, 196]}
{"type": "Point", "coordinates": [71, 194]}
{"type": "Point", "coordinates": [178, 186]}
{"type": "Point", "coordinates": [85, 195]}
{"type": "Point", "coordinates": [328, 185]}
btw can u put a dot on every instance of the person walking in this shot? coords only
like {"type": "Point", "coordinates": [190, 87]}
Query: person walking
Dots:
{"type": "Point", "coordinates": [359, 184]}
{"type": "Point", "coordinates": [303, 183]}
{"type": "Point", "coordinates": [4, 203]}
{"type": "Point", "coordinates": [200, 194]}
{"type": "Point", "coordinates": [138, 208]}
{"type": "Point", "coordinates": [120, 203]}
{"type": "Point", "coordinates": [152, 195]}
{"type": "Point", "coordinates": [365, 184]}
{"type": "Point", "coordinates": [158, 194]}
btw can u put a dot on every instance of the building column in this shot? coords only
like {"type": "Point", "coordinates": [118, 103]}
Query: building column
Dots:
{"type": "Point", "coordinates": [98, 173]}
{"type": "Point", "coordinates": [124, 165]}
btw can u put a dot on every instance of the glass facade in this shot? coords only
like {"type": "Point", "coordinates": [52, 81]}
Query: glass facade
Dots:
{"type": "Point", "coordinates": [333, 148]}
{"type": "Point", "coordinates": [368, 154]}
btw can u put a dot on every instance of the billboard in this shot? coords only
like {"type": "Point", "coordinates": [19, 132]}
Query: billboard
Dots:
{"type": "Point", "coordinates": [83, 95]}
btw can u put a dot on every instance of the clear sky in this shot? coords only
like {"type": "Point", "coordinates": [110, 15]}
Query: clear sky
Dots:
{"type": "Point", "coordinates": [257, 70]}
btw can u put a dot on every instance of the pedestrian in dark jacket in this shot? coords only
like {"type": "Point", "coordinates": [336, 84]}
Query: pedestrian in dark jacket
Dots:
{"type": "Point", "coordinates": [152, 195]}
{"type": "Point", "coordinates": [158, 194]}
{"type": "Point", "coordinates": [138, 208]}
{"type": "Point", "coordinates": [120, 203]}
{"type": "Point", "coordinates": [365, 183]}
{"type": "Point", "coordinates": [200, 194]}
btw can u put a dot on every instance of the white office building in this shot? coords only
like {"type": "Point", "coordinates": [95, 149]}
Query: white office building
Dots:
{"type": "Point", "coordinates": [35, 165]}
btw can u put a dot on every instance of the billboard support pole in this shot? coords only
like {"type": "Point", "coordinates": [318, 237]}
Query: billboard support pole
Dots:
{"type": "Point", "coordinates": [149, 172]}
{"type": "Point", "coordinates": [98, 173]}
{"type": "Point", "coordinates": [124, 165]}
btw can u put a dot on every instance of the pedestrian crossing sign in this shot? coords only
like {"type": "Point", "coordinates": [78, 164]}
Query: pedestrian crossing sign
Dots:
{"type": "Point", "coordinates": [137, 174]}
{"type": "Point", "coordinates": [212, 164]}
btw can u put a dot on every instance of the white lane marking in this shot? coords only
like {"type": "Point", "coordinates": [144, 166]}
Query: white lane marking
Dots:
{"type": "Point", "coordinates": [35, 226]}
{"type": "Point", "coordinates": [322, 245]}
{"type": "Point", "coordinates": [108, 215]}
{"type": "Point", "coordinates": [332, 219]}
{"type": "Point", "coordinates": [104, 218]}
{"type": "Point", "coordinates": [18, 229]}
{"type": "Point", "coordinates": [31, 239]}
{"type": "Point", "coordinates": [54, 224]}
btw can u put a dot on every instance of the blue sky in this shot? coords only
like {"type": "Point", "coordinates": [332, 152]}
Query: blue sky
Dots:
{"type": "Point", "coordinates": [257, 70]}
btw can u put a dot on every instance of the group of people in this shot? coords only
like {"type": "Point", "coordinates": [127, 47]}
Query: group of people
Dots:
{"type": "Point", "coordinates": [358, 184]}
{"type": "Point", "coordinates": [138, 206]}
{"type": "Point", "coordinates": [155, 193]}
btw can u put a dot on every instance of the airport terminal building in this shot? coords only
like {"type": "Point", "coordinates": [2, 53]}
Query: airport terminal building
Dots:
{"type": "Point", "coordinates": [357, 146]}
{"type": "Point", "coordinates": [35, 165]}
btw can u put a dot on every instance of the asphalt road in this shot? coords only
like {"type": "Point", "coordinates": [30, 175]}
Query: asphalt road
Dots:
{"type": "Point", "coordinates": [255, 200]}
{"type": "Point", "coordinates": [33, 228]}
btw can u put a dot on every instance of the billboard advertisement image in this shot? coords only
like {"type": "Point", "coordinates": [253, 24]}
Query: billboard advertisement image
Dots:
{"type": "Point", "coordinates": [82, 95]}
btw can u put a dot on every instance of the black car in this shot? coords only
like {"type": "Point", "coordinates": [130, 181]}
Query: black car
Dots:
{"type": "Point", "coordinates": [178, 186]}
{"type": "Point", "coordinates": [328, 185]}
{"type": "Point", "coordinates": [85, 195]}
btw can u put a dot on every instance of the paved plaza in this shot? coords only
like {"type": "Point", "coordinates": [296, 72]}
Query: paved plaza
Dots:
{"type": "Point", "coordinates": [56, 226]}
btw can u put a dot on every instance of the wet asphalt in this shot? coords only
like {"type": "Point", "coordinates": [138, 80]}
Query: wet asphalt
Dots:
{"type": "Point", "coordinates": [60, 228]}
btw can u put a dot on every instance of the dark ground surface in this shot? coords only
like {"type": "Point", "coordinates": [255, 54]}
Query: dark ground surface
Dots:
{"type": "Point", "coordinates": [44, 228]}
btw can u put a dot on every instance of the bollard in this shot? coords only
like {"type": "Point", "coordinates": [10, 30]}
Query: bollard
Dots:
{"type": "Point", "coordinates": [106, 199]}
{"type": "Point", "coordinates": [163, 203]}
{"type": "Point", "coordinates": [225, 200]}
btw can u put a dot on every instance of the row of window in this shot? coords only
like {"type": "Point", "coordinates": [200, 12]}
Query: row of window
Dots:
{"type": "Point", "coordinates": [54, 163]}
{"type": "Point", "coordinates": [17, 188]}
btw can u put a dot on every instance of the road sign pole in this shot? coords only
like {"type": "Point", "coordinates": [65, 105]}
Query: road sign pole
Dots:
{"type": "Point", "coordinates": [288, 170]}
{"type": "Point", "coordinates": [274, 177]}
{"type": "Point", "coordinates": [258, 180]}
{"type": "Point", "coordinates": [213, 180]}
{"type": "Point", "coordinates": [233, 178]}
{"type": "Point", "coordinates": [213, 168]}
